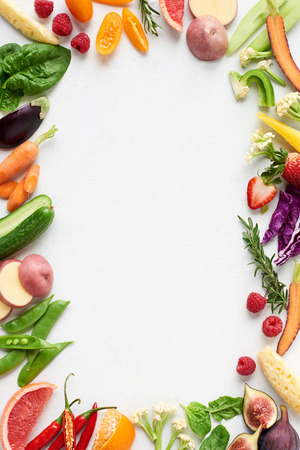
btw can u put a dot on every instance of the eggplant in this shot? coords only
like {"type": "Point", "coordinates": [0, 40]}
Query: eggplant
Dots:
{"type": "Point", "coordinates": [19, 125]}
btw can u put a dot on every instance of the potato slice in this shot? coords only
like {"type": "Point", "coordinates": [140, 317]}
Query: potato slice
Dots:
{"type": "Point", "coordinates": [22, 21]}
{"type": "Point", "coordinates": [12, 292]}
{"type": "Point", "coordinates": [224, 10]}
{"type": "Point", "coordinates": [5, 310]}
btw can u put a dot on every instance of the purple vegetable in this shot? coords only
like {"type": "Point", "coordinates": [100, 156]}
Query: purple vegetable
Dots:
{"type": "Point", "coordinates": [19, 125]}
{"type": "Point", "coordinates": [291, 250]}
{"type": "Point", "coordinates": [279, 216]}
{"type": "Point", "coordinates": [288, 228]}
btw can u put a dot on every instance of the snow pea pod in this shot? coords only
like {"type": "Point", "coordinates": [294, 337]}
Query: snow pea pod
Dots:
{"type": "Point", "coordinates": [28, 318]}
{"type": "Point", "coordinates": [45, 323]}
{"type": "Point", "coordinates": [11, 360]}
{"type": "Point", "coordinates": [24, 342]}
{"type": "Point", "coordinates": [42, 359]}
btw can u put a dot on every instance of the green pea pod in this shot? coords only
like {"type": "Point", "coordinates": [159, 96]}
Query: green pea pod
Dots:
{"type": "Point", "coordinates": [24, 342]}
{"type": "Point", "coordinates": [11, 360]}
{"type": "Point", "coordinates": [41, 361]}
{"type": "Point", "coordinates": [28, 318]}
{"type": "Point", "coordinates": [44, 325]}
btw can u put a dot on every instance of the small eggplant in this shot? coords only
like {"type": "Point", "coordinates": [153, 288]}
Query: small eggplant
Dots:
{"type": "Point", "coordinates": [19, 125]}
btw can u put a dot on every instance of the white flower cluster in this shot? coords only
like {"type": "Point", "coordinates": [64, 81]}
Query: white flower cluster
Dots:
{"type": "Point", "coordinates": [284, 103]}
{"type": "Point", "coordinates": [162, 408]}
{"type": "Point", "coordinates": [137, 415]}
{"type": "Point", "coordinates": [179, 424]}
{"type": "Point", "coordinates": [188, 442]}
{"type": "Point", "coordinates": [245, 53]}
{"type": "Point", "coordinates": [260, 141]}
{"type": "Point", "coordinates": [242, 91]}
{"type": "Point", "coordinates": [264, 64]}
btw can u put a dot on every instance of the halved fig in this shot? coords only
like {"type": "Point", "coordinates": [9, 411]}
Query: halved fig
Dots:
{"type": "Point", "coordinates": [245, 441]}
{"type": "Point", "coordinates": [258, 409]}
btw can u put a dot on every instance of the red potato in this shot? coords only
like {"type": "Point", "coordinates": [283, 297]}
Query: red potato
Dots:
{"type": "Point", "coordinates": [12, 292]}
{"type": "Point", "coordinates": [224, 10]}
{"type": "Point", "coordinates": [5, 311]}
{"type": "Point", "coordinates": [207, 38]}
{"type": "Point", "coordinates": [36, 275]}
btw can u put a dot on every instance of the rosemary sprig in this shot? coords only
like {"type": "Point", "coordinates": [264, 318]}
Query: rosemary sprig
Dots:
{"type": "Point", "coordinates": [276, 292]}
{"type": "Point", "coordinates": [147, 19]}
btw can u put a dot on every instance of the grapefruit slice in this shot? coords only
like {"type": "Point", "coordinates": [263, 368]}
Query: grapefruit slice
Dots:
{"type": "Point", "coordinates": [173, 10]}
{"type": "Point", "coordinates": [115, 432]}
{"type": "Point", "coordinates": [21, 413]}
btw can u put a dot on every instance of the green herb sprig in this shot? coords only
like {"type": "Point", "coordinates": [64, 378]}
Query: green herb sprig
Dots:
{"type": "Point", "coordinates": [147, 20]}
{"type": "Point", "coordinates": [276, 292]}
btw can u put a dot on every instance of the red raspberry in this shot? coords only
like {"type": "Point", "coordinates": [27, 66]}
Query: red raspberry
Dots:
{"type": "Point", "coordinates": [255, 302]}
{"type": "Point", "coordinates": [81, 42]}
{"type": "Point", "coordinates": [272, 326]}
{"type": "Point", "coordinates": [43, 8]}
{"type": "Point", "coordinates": [245, 366]}
{"type": "Point", "coordinates": [62, 25]}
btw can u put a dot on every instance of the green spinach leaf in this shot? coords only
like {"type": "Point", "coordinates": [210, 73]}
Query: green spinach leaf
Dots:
{"type": "Point", "coordinates": [36, 67]}
{"type": "Point", "coordinates": [198, 418]}
{"type": "Point", "coordinates": [9, 100]}
{"type": "Point", "coordinates": [225, 407]}
{"type": "Point", "coordinates": [217, 440]}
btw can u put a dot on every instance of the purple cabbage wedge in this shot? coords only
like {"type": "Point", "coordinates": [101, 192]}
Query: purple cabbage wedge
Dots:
{"type": "Point", "coordinates": [279, 216]}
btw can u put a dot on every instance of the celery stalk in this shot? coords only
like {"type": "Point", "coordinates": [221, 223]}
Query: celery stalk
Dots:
{"type": "Point", "coordinates": [251, 22]}
{"type": "Point", "coordinates": [290, 13]}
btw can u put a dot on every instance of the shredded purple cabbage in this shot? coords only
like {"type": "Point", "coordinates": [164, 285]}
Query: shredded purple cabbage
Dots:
{"type": "Point", "coordinates": [291, 250]}
{"type": "Point", "coordinates": [286, 232]}
{"type": "Point", "coordinates": [279, 216]}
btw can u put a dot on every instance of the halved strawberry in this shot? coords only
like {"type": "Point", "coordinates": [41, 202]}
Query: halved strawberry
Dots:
{"type": "Point", "coordinates": [259, 193]}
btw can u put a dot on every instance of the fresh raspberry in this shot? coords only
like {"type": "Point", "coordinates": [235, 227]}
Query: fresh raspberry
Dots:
{"type": "Point", "coordinates": [256, 302]}
{"type": "Point", "coordinates": [272, 326]}
{"type": "Point", "coordinates": [245, 366]}
{"type": "Point", "coordinates": [81, 42]}
{"type": "Point", "coordinates": [43, 8]}
{"type": "Point", "coordinates": [62, 25]}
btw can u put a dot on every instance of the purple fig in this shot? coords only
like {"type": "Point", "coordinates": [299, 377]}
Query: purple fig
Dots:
{"type": "Point", "coordinates": [258, 409]}
{"type": "Point", "coordinates": [281, 436]}
{"type": "Point", "coordinates": [19, 125]}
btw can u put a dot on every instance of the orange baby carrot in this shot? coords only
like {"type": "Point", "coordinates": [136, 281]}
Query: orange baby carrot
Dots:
{"type": "Point", "coordinates": [7, 188]}
{"type": "Point", "coordinates": [22, 156]}
{"type": "Point", "coordinates": [17, 197]}
{"type": "Point", "coordinates": [31, 178]}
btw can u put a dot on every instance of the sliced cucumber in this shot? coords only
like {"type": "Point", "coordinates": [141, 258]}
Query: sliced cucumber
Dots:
{"type": "Point", "coordinates": [27, 231]}
{"type": "Point", "coordinates": [8, 223]}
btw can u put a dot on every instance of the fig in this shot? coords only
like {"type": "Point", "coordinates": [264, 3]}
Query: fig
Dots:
{"type": "Point", "coordinates": [245, 441]}
{"type": "Point", "coordinates": [281, 436]}
{"type": "Point", "coordinates": [258, 409]}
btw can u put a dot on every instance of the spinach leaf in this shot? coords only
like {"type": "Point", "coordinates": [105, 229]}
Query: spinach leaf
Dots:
{"type": "Point", "coordinates": [36, 67]}
{"type": "Point", "coordinates": [7, 49]}
{"type": "Point", "coordinates": [218, 439]}
{"type": "Point", "coordinates": [198, 418]}
{"type": "Point", "coordinates": [225, 407]}
{"type": "Point", "coordinates": [9, 100]}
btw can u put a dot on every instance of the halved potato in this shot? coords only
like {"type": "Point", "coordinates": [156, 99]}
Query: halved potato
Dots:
{"type": "Point", "coordinates": [12, 292]}
{"type": "Point", "coordinates": [5, 310]}
{"type": "Point", "coordinates": [224, 10]}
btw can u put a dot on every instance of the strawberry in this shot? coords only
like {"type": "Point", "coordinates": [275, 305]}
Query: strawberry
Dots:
{"type": "Point", "coordinates": [291, 172]}
{"type": "Point", "coordinates": [259, 193]}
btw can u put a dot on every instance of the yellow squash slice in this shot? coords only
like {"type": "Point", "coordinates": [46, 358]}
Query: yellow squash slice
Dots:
{"type": "Point", "coordinates": [22, 21]}
{"type": "Point", "coordinates": [283, 379]}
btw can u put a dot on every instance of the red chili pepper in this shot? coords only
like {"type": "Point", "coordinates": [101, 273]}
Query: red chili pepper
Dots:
{"type": "Point", "coordinates": [68, 424]}
{"type": "Point", "coordinates": [48, 433]}
{"type": "Point", "coordinates": [88, 431]}
{"type": "Point", "coordinates": [80, 422]}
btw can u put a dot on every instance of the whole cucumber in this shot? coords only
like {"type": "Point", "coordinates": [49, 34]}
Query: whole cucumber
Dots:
{"type": "Point", "coordinates": [26, 231]}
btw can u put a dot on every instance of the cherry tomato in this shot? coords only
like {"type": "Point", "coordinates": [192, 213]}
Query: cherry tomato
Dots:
{"type": "Point", "coordinates": [109, 33]}
{"type": "Point", "coordinates": [134, 30]}
{"type": "Point", "coordinates": [82, 10]}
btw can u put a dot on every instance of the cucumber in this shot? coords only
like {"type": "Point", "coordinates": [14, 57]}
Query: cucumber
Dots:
{"type": "Point", "coordinates": [27, 231]}
{"type": "Point", "coordinates": [8, 223]}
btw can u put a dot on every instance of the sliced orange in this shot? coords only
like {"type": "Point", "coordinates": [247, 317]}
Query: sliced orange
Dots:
{"type": "Point", "coordinates": [134, 30]}
{"type": "Point", "coordinates": [21, 413]}
{"type": "Point", "coordinates": [115, 432]}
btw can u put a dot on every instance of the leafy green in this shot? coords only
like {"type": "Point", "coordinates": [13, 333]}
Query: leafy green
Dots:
{"type": "Point", "coordinates": [218, 439]}
{"type": "Point", "coordinates": [225, 407]}
{"type": "Point", "coordinates": [36, 67]}
{"type": "Point", "coordinates": [9, 99]}
{"type": "Point", "coordinates": [198, 418]}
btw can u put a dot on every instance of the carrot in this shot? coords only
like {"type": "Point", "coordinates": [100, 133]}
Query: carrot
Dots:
{"type": "Point", "coordinates": [17, 197]}
{"type": "Point", "coordinates": [292, 324]}
{"type": "Point", "coordinates": [22, 156]}
{"type": "Point", "coordinates": [7, 188]}
{"type": "Point", "coordinates": [31, 178]}
{"type": "Point", "coordinates": [280, 45]}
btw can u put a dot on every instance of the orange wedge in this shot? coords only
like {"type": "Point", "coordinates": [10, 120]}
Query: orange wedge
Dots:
{"type": "Point", "coordinates": [115, 432]}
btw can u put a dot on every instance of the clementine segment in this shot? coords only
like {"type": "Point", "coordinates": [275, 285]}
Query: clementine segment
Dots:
{"type": "Point", "coordinates": [115, 432]}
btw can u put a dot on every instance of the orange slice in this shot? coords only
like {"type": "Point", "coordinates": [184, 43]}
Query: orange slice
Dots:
{"type": "Point", "coordinates": [21, 413]}
{"type": "Point", "coordinates": [115, 432]}
{"type": "Point", "coordinates": [173, 10]}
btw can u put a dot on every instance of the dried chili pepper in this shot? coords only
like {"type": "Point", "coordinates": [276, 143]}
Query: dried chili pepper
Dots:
{"type": "Point", "coordinates": [88, 431]}
{"type": "Point", "coordinates": [48, 433]}
{"type": "Point", "coordinates": [68, 423]}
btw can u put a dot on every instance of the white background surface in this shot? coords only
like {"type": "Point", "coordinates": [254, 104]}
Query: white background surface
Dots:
{"type": "Point", "coordinates": [147, 175]}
